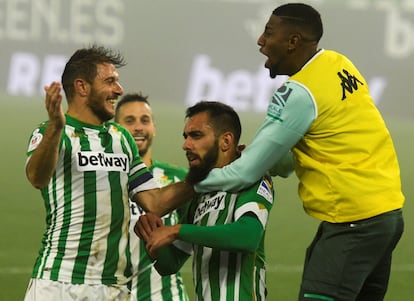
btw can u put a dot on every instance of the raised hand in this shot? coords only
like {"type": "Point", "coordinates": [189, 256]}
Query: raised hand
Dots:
{"type": "Point", "coordinates": [53, 103]}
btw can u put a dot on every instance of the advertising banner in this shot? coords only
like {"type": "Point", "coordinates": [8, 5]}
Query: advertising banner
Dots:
{"type": "Point", "coordinates": [182, 51]}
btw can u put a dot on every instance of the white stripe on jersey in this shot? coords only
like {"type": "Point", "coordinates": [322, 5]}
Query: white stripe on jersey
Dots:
{"type": "Point", "coordinates": [262, 288]}
{"type": "Point", "coordinates": [238, 276]}
{"type": "Point", "coordinates": [261, 213]}
{"type": "Point", "coordinates": [137, 168]}
{"type": "Point", "coordinates": [224, 261]}
{"type": "Point", "coordinates": [204, 272]}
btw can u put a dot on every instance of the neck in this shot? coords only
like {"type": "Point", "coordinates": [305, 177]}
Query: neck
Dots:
{"type": "Point", "coordinates": [147, 158]}
{"type": "Point", "coordinates": [226, 158]}
{"type": "Point", "coordinates": [84, 115]}
{"type": "Point", "coordinates": [302, 58]}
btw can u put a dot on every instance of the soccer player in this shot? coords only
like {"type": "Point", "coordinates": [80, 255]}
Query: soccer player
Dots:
{"type": "Point", "coordinates": [226, 231]}
{"type": "Point", "coordinates": [344, 157]}
{"type": "Point", "coordinates": [134, 113]}
{"type": "Point", "coordinates": [86, 169]}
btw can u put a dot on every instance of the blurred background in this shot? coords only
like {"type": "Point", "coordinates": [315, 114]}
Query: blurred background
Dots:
{"type": "Point", "coordinates": [179, 52]}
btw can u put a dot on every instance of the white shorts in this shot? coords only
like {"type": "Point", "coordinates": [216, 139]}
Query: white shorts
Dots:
{"type": "Point", "coordinates": [49, 290]}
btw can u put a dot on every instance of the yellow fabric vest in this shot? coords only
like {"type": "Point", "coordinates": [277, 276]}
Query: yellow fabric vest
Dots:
{"type": "Point", "coordinates": [346, 162]}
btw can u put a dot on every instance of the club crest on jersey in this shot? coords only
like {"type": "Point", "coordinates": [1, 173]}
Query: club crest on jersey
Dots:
{"type": "Point", "coordinates": [278, 102]}
{"type": "Point", "coordinates": [92, 161]}
{"type": "Point", "coordinates": [265, 190]}
{"type": "Point", "coordinates": [208, 204]}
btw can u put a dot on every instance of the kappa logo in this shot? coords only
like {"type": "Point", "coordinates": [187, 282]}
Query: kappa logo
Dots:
{"type": "Point", "coordinates": [92, 161]}
{"type": "Point", "coordinates": [349, 83]}
{"type": "Point", "coordinates": [208, 204]}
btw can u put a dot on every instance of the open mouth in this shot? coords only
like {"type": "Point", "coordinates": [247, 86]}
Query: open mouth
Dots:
{"type": "Point", "coordinates": [139, 138]}
{"type": "Point", "coordinates": [192, 159]}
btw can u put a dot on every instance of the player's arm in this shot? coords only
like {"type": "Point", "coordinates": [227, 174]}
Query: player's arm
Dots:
{"type": "Point", "coordinates": [283, 167]}
{"type": "Point", "coordinates": [288, 119]}
{"type": "Point", "coordinates": [163, 200]}
{"type": "Point", "coordinates": [42, 162]}
{"type": "Point", "coordinates": [226, 237]}
{"type": "Point", "coordinates": [170, 260]}
{"type": "Point", "coordinates": [223, 237]}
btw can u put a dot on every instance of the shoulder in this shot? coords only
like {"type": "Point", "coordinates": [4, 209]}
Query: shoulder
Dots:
{"type": "Point", "coordinates": [41, 126]}
{"type": "Point", "coordinates": [261, 190]}
{"type": "Point", "coordinates": [116, 126]}
{"type": "Point", "coordinates": [293, 98]}
{"type": "Point", "coordinates": [121, 131]}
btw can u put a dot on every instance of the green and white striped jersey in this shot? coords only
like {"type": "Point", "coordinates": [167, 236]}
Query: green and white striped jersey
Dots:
{"type": "Point", "coordinates": [147, 284]}
{"type": "Point", "coordinates": [86, 240]}
{"type": "Point", "coordinates": [229, 275]}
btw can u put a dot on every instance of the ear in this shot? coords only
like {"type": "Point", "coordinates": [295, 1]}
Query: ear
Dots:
{"type": "Point", "coordinates": [81, 87]}
{"type": "Point", "coordinates": [226, 141]}
{"type": "Point", "coordinates": [294, 40]}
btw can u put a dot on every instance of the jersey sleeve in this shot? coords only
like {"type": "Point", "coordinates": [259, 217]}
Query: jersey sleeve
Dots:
{"type": "Point", "coordinates": [169, 260]}
{"type": "Point", "coordinates": [257, 201]}
{"type": "Point", "coordinates": [290, 113]}
{"type": "Point", "coordinates": [250, 218]}
{"type": "Point", "coordinates": [140, 178]}
{"type": "Point", "coordinates": [227, 236]}
{"type": "Point", "coordinates": [36, 138]}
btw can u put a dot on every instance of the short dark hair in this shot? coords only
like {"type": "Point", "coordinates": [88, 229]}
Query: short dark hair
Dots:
{"type": "Point", "coordinates": [83, 64]}
{"type": "Point", "coordinates": [222, 117]}
{"type": "Point", "coordinates": [302, 16]}
{"type": "Point", "coordinates": [130, 97]}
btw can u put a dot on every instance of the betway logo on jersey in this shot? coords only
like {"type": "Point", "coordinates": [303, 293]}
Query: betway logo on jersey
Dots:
{"type": "Point", "coordinates": [209, 204]}
{"type": "Point", "coordinates": [91, 161]}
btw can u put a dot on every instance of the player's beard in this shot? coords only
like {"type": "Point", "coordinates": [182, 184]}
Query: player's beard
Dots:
{"type": "Point", "coordinates": [200, 172]}
{"type": "Point", "coordinates": [273, 70]}
{"type": "Point", "coordinates": [96, 103]}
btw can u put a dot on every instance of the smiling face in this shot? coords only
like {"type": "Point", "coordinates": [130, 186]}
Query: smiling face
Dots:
{"type": "Point", "coordinates": [137, 118]}
{"type": "Point", "coordinates": [104, 92]}
{"type": "Point", "coordinates": [274, 43]}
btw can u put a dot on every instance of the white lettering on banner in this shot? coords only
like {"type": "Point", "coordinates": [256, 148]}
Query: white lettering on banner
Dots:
{"type": "Point", "coordinates": [28, 75]}
{"type": "Point", "coordinates": [399, 35]}
{"type": "Point", "coordinates": [61, 21]}
{"type": "Point", "coordinates": [243, 90]}
{"type": "Point", "coordinates": [377, 86]}
{"type": "Point", "coordinates": [23, 74]}
{"type": "Point", "coordinates": [240, 89]}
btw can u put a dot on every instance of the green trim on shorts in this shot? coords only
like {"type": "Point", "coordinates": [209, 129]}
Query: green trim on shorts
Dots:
{"type": "Point", "coordinates": [319, 297]}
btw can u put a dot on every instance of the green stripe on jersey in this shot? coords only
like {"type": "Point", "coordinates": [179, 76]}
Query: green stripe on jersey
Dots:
{"type": "Point", "coordinates": [230, 275]}
{"type": "Point", "coordinates": [87, 209]}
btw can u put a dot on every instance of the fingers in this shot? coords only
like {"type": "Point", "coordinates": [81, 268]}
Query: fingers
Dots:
{"type": "Point", "coordinates": [53, 103]}
{"type": "Point", "coordinates": [160, 237]}
{"type": "Point", "coordinates": [241, 148]}
{"type": "Point", "coordinates": [146, 224]}
{"type": "Point", "coordinates": [152, 252]}
{"type": "Point", "coordinates": [152, 246]}
{"type": "Point", "coordinates": [53, 96]}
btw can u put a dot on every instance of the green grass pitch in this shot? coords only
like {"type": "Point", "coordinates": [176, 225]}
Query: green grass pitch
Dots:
{"type": "Point", "coordinates": [288, 234]}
